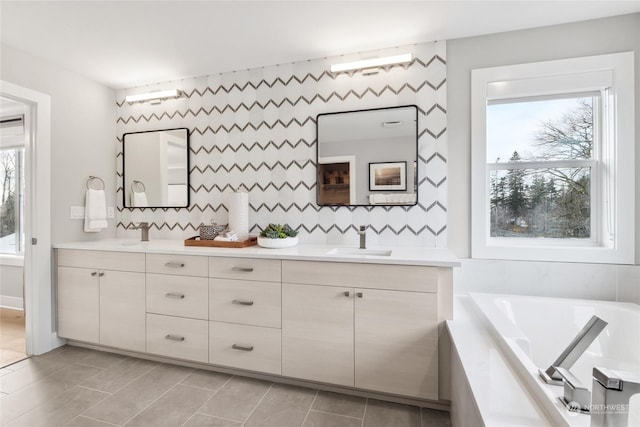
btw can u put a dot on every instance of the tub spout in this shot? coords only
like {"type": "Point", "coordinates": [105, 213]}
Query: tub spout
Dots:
{"type": "Point", "coordinates": [574, 350]}
{"type": "Point", "coordinates": [611, 393]}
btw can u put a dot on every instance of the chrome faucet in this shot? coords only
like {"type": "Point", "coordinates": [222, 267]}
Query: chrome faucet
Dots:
{"type": "Point", "coordinates": [574, 350]}
{"type": "Point", "coordinates": [363, 236]}
{"type": "Point", "coordinates": [144, 228]}
{"type": "Point", "coordinates": [611, 392]}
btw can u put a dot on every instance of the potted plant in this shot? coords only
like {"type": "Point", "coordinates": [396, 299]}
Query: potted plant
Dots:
{"type": "Point", "coordinates": [278, 236]}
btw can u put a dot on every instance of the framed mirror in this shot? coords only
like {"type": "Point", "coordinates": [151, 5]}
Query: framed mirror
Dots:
{"type": "Point", "coordinates": [368, 157]}
{"type": "Point", "coordinates": [156, 169]}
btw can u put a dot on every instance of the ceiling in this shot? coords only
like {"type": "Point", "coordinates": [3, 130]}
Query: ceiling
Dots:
{"type": "Point", "coordinates": [124, 44]}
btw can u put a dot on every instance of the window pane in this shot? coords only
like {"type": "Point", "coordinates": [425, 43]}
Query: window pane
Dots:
{"type": "Point", "coordinates": [554, 203]}
{"type": "Point", "coordinates": [10, 200]}
{"type": "Point", "coordinates": [540, 129]}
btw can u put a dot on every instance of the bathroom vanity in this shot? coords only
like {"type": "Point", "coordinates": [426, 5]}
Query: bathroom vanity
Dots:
{"type": "Point", "coordinates": [312, 313]}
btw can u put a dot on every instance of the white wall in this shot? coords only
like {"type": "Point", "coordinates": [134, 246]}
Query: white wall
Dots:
{"type": "Point", "coordinates": [83, 115]}
{"type": "Point", "coordinates": [11, 281]}
{"type": "Point", "coordinates": [616, 34]}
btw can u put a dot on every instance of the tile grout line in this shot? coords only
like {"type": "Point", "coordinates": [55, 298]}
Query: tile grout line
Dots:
{"type": "Point", "coordinates": [215, 392]}
{"type": "Point", "coordinates": [257, 404]}
{"type": "Point", "coordinates": [94, 419]}
{"type": "Point", "coordinates": [364, 414]}
{"type": "Point", "coordinates": [157, 398]}
{"type": "Point", "coordinates": [219, 418]}
{"type": "Point", "coordinates": [134, 379]}
{"type": "Point", "coordinates": [315, 396]}
{"type": "Point", "coordinates": [333, 413]}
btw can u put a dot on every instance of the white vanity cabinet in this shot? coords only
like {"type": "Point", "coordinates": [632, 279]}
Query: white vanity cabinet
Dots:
{"type": "Point", "coordinates": [101, 298]}
{"type": "Point", "coordinates": [245, 313]}
{"type": "Point", "coordinates": [381, 334]}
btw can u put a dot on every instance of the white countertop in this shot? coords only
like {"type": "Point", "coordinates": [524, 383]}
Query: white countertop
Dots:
{"type": "Point", "coordinates": [433, 257]}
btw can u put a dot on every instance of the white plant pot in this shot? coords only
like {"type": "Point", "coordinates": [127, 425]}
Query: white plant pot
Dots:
{"type": "Point", "coordinates": [287, 242]}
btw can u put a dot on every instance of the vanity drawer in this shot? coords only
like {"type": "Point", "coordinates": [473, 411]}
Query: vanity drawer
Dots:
{"type": "Point", "coordinates": [246, 302]}
{"type": "Point", "coordinates": [178, 337]}
{"type": "Point", "coordinates": [178, 295]}
{"type": "Point", "coordinates": [246, 347]}
{"type": "Point", "coordinates": [177, 264]}
{"type": "Point", "coordinates": [102, 260]}
{"type": "Point", "coordinates": [361, 275]}
{"type": "Point", "coordinates": [266, 270]}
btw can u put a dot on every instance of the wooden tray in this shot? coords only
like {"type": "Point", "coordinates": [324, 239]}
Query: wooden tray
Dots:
{"type": "Point", "coordinates": [195, 241]}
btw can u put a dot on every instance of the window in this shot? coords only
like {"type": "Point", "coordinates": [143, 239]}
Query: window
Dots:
{"type": "Point", "coordinates": [553, 160]}
{"type": "Point", "coordinates": [11, 186]}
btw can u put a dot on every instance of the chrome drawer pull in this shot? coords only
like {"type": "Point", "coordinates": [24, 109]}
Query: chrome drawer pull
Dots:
{"type": "Point", "coordinates": [174, 264]}
{"type": "Point", "coordinates": [244, 269]}
{"type": "Point", "coordinates": [240, 302]}
{"type": "Point", "coordinates": [173, 337]}
{"type": "Point", "coordinates": [359, 294]}
{"type": "Point", "coordinates": [242, 347]}
{"type": "Point", "coordinates": [174, 295]}
{"type": "Point", "coordinates": [94, 274]}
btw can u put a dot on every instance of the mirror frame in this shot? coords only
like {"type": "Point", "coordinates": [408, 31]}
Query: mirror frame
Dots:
{"type": "Point", "coordinates": [417, 162]}
{"type": "Point", "coordinates": [124, 192]}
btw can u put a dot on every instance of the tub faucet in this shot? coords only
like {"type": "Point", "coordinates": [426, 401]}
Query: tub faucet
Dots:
{"type": "Point", "coordinates": [574, 350]}
{"type": "Point", "coordinates": [611, 392]}
{"type": "Point", "coordinates": [144, 229]}
{"type": "Point", "coordinates": [363, 236]}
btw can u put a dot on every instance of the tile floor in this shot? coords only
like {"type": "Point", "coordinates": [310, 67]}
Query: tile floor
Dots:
{"type": "Point", "coordinates": [12, 343]}
{"type": "Point", "coordinates": [78, 387]}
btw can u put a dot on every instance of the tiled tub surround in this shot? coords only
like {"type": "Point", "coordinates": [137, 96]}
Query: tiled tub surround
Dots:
{"type": "Point", "coordinates": [605, 282]}
{"type": "Point", "coordinates": [369, 325]}
{"type": "Point", "coordinates": [257, 128]}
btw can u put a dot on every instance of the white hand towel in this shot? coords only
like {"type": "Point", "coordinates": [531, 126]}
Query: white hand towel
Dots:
{"type": "Point", "coordinates": [140, 199]}
{"type": "Point", "coordinates": [95, 211]}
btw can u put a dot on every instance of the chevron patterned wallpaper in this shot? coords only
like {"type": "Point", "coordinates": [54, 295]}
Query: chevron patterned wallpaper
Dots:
{"type": "Point", "coordinates": [256, 128]}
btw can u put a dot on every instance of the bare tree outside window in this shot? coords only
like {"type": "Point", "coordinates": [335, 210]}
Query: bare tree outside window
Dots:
{"type": "Point", "coordinates": [8, 194]}
{"type": "Point", "coordinates": [553, 201]}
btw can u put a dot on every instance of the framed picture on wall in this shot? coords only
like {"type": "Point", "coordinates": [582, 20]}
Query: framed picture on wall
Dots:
{"type": "Point", "coordinates": [388, 176]}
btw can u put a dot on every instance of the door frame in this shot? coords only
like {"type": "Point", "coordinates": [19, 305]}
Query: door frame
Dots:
{"type": "Point", "coordinates": [39, 295]}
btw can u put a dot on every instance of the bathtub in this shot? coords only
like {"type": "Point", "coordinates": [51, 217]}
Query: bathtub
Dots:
{"type": "Point", "coordinates": [532, 332]}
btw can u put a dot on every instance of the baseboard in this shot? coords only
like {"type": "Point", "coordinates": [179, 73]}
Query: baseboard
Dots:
{"type": "Point", "coordinates": [11, 302]}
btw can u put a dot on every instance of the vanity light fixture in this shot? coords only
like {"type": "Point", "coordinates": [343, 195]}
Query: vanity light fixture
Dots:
{"type": "Point", "coordinates": [373, 63]}
{"type": "Point", "coordinates": [154, 96]}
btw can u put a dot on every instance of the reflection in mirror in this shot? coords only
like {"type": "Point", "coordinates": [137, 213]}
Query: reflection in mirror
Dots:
{"type": "Point", "coordinates": [368, 157]}
{"type": "Point", "coordinates": [156, 169]}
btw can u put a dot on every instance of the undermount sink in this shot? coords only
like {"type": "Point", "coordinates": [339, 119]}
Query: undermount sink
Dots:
{"type": "Point", "coordinates": [356, 251]}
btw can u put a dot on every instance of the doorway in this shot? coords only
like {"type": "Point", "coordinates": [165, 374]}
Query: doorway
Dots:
{"type": "Point", "coordinates": [39, 323]}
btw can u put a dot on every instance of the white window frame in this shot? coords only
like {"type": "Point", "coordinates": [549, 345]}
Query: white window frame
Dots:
{"type": "Point", "coordinates": [613, 177]}
{"type": "Point", "coordinates": [16, 142]}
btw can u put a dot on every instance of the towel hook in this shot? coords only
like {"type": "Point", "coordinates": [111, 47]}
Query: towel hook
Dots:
{"type": "Point", "coordinates": [91, 179]}
{"type": "Point", "coordinates": [135, 181]}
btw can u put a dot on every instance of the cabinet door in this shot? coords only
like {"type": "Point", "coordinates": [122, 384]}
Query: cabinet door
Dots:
{"type": "Point", "coordinates": [78, 304]}
{"type": "Point", "coordinates": [122, 309]}
{"type": "Point", "coordinates": [317, 333]}
{"type": "Point", "coordinates": [396, 342]}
